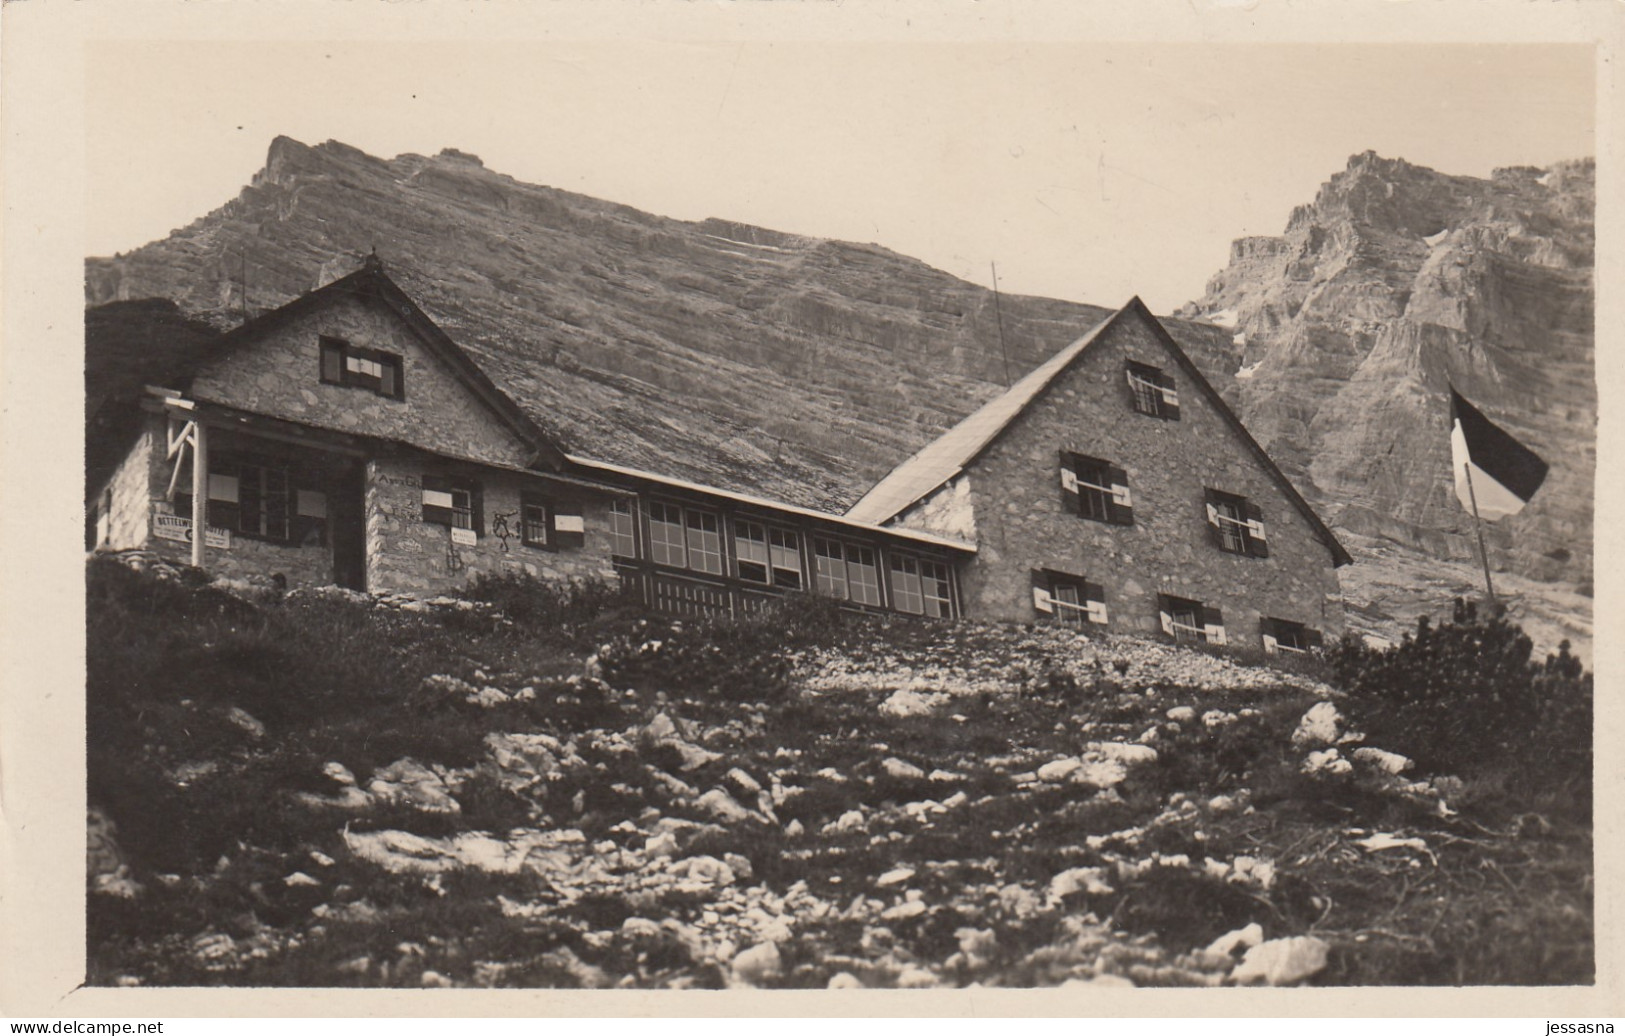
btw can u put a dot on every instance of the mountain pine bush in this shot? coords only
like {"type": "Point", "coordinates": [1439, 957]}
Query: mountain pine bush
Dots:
{"type": "Point", "coordinates": [1465, 697]}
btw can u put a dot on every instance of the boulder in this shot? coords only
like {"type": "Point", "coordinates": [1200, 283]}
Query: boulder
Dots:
{"type": "Point", "coordinates": [1282, 962]}
{"type": "Point", "coordinates": [1090, 880]}
{"type": "Point", "coordinates": [902, 770]}
{"type": "Point", "coordinates": [904, 703]}
{"type": "Point", "coordinates": [1387, 762]}
{"type": "Point", "coordinates": [757, 965]}
{"type": "Point", "coordinates": [409, 782]}
{"type": "Point", "coordinates": [1058, 770]}
{"type": "Point", "coordinates": [721, 805]}
{"type": "Point", "coordinates": [1321, 725]}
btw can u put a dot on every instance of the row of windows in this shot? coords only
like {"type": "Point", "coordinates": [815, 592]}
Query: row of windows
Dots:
{"type": "Point", "coordinates": [691, 538]}
{"type": "Point", "coordinates": [1074, 601]}
{"type": "Point", "coordinates": [260, 497]}
{"type": "Point", "coordinates": [1097, 490]}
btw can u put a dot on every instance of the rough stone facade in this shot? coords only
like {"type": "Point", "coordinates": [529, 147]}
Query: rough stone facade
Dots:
{"type": "Point", "coordinates": [1022, 524]}
{"type": "Point", "coordinates": [123, 511]}
{"type": "Point", "coordinates": [949, 511]}
{"type": "Point", "coordinates": [406, 553]}
{"type": "Point", "coordinates": [279, 374]}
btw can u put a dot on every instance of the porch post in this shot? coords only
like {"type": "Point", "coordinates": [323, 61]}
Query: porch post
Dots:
{"type": "Point", "coordinates": [200, 490]}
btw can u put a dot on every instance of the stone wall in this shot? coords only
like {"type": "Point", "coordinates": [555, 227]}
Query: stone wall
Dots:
{"type": "Point", "coordinates": [278, 373]}
{"type": "Point", "coordinates": [1021, 523]}
{"type": "Point", "coordinates": [949, 511]}
{"type": "Point", "coordinates": [131, 489]}
{"type": "Point", "coordinates": [405, 553]}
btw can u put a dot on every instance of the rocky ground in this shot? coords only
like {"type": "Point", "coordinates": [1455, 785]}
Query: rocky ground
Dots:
{"type": "Point", "coordinates": [644, 804]}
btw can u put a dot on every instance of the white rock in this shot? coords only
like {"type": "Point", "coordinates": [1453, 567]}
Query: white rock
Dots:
{"type": "Point", "coordinates": [1181, 713]}
{"type": "Point", "coordinates": [954, 801]}
{"type": "Point", "coordinates": [1058, 770]}
{"type": "Point", "coordinates": [905, 702]}
{"type": "Point", "coordinates": [946, 776]}
{"type": "Point", "coordinates": [1221, 804]}
{"type": "Point", "coordinates": [1326, 763]}
{"type": "Point", "coordinates": [902, 770]}
{"type": "Point", "coordinates": [894, 877]}
{"type": "Point", "coordinates": [1388, 762]}
{"type": "Point", "coordinates": [851, 820]}
{"type": "Point", "coordinates": [756, 965]}
{"type": "Point", "coordinates": [844, 980]}
{"type": "Point", "coordinates": [794, 829]}
{"type": "Point", "coordinates": [915, 977]}
{"type": "Point", "coordinates": [707, 869]}
{"type": "Point", "coordinates": [721, 805]}
{"type": "Point", "coordinates": [661, 844]}
{"type": "Point", "coordinates": [1120, 752]}
{"type": "Point", "coordinates": [1321, 725]}
{"type": "Point", "coordinates": [1241, 939]}
{"type": "Point", "coordinates": [243, 720]}
{"type": "Point", "coordinates": [904, 910]}
{"type": "Point", "coordinates": [1214, 718]}
{"type": "Point", "coordinates": [298, 879]}
{"type": "Point", "coordinates": [744, 781]}
{"type": "Point", "coordinates": [1090, 880]}
{"type": "Point", "coordinates": [1282, 962]}
{"type": "Point", "coordinates": [1379, 842]}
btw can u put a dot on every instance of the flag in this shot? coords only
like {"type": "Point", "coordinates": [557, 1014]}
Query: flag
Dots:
{"type": "Point", "coordinates": [1505, 473]}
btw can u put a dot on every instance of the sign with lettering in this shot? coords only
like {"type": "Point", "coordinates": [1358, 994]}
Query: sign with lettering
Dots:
{"type": "Point", "coordinates": [464, 537]}
{"type": "Point", "coordinates": [174, 527]}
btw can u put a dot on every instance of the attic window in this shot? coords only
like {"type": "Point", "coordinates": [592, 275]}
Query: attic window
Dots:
{"type": "Point", "coordinates": [1283, 635]}
{"type": "Point", "coordinates": [1096, 490]}
{"type": "Point", "coordinates": [1153, 392]}
{"type": "Point", "coordinates": [1190, 621]}
{"type": "Point", "coordinates": [1236, 525]}
{"type": "Point", "coordinates": [354, 367]}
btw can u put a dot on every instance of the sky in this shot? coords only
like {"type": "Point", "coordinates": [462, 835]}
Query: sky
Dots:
{"type": "Point", "coordinates": [1086, 171]}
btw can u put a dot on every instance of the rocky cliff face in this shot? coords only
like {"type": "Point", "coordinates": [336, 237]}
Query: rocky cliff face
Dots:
{"type": "Point", "coordinates": [1396, 281]}
{"type": "Point", "coordinates": [791, 366]}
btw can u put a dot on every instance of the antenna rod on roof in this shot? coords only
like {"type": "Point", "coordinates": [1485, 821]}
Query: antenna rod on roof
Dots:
{"type": "Point", "coordinates": [998, 313]}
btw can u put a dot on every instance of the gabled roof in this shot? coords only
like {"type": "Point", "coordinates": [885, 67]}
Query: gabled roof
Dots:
{"type": "Point", "coordinates": [959, 447]}
{"type": "Point", "coordinates": [371, 282]}
{"type": "Point", "coordinates": [604, 468]}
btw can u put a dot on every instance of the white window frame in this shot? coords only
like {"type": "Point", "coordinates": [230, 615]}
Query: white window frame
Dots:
{"type": "Point", "coordinates": [623, 527]}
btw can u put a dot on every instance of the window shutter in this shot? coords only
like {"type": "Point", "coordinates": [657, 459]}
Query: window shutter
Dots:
{"type": "Point", "coordinates": [1267, 630]}
{"type": "Point", "coordinates": [1041, 595]}
{"type": "Point", "coordinates": [1164, 611]}
{"type": "Point", "coordinates": [1069, 484]}
{"type": "Point", "coordinates": [1121, 508]}
{"type": "Point", "coordinates": [1095, 599]}
{"type": "Point", "coordinates": [568, 527]}
{"type": "Point", "coordinates": [1257, 546]}
{"type": "Point", "coordinates": [1215, 534]}
{"type": "Point", "coordinates": [1170, 397]}
{"type": "Point", "coordinates": [1312, 639]}
{"type": "Point", "coordinates": [1213, 625]}
{"type": "Point", "coordinates": [437, 502]}
{"type": "Point", "coordinates": [476, 508]}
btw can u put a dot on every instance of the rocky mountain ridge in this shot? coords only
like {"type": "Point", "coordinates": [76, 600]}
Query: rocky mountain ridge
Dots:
{"type": "Point", "coordinates": [1394, 283]}
{"type": "Point", "coordinates": [744, 357]}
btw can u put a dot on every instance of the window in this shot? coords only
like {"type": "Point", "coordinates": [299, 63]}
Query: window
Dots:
{"type": "Point", "coordinates": [1072, 600]}
{"type": "Point", "coordinates": [666, 543]}
{"type": "Point", "coordinates": [355, 367]}
{"type": "Point", "coordinates": [623, 529]}
{"type": "Point", "coordinates": [1152, 391]}
{"type": "Point", "coordinates": [829, 561]}
{"type": "Point", "coordinates": [750, 549]}
{"type": "Point", "coordinates": [766, 555]}
{"type": "Point", "coordinates": [920, 587]}
{"type": "Point", "coordinates": [1235, 525]}
{"type": "Point", "coordinates": [1094, 489]}
{"type": "Point", "coordinates": [252, 497]}
{"type": "Point", "coordinates": [1190, 621]}
{"type": "Point", "coordinates": [784, 551]}
{"type": "Point", "coordinates": [452, 502]}
{"type": "Point", "coordinates": [533, 521]}
{"type": "Point", "coordinates": [704, 542]}
{"type": "Point", "coordinates": [847, 571]}
{"type": "Point", "coordinates": [1284, 635]}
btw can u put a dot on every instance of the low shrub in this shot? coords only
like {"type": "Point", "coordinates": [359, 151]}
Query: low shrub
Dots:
{"type": "Point", "coordinates": [1464, 697]}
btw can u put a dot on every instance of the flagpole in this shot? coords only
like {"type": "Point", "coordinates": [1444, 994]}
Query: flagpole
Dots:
{"type": "Point", "coordinates": [1478, 524]}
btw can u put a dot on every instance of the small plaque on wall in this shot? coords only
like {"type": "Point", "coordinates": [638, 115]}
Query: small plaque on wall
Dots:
{"type": "Point", "coordinates": [464, 537]}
